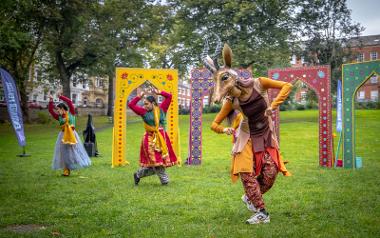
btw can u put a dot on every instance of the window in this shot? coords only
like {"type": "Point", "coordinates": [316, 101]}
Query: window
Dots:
{"type": "Point", "coordinates": [293, 60]}
{"type": "Point", "coordinates": [360, 57]}
{"type": "Point", "coordinates": [205, 101]}
{"type": "Point", "coordinates": [85, 101]}
{"type": "Point", "coordinates": [361, 95]}
{"type": "Point", "coordinates": [74, 83]}
{"type": "Point", "coordinates": [35, 97]}
{"type": "Point", "coordinates": [374, 95]}
{"type": "Point", "coordinates": [74, 98]}
{"type": "Point", "coordinates": [98, 82]}
{"type": "Point", "coordinates": [1, 94]}
{"type": "Point", "coordinates": [99, 102]}
{"type": "Point", "coordinates": [35, 75]}
{"type": "Point", "coordinates": [45, 96]}
{"type": "Point", "coordinates": [373, 55]}
{"type": "Point", "coordinates": [373, 79]}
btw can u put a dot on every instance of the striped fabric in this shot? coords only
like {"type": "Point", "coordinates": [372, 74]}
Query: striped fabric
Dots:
{"type": "Point", "coordinates": [159, 170]}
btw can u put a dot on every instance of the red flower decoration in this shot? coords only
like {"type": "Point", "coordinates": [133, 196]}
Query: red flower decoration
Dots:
{"type": "Point", "coordinates": [124, 75]}
{"type": "Point", "coordinates": [169, 77]}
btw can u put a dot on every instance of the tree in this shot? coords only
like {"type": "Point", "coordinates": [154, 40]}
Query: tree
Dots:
{"type": "Point", "coordinates": [325, 26]}
{"type": "Point", "coordinates": [257, 31]}
{"type": "Point", "coordinates": [71, 37]}
{"type": "Point", "coordinates": [21, 27]}
{"type": "Point", "coordinates": [125, 27]}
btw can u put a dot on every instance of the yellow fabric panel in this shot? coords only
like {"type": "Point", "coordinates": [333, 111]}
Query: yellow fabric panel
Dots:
{"type": "Point", "coordinates": [68, 134]}
{"type": "Point", "coordinates": [237, 120]}
{"type": "Point", "coordinates": [158, 139]}
{"type": "Point", "coordinates": [242, 162]}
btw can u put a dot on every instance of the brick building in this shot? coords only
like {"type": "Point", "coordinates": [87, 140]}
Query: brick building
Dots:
{"type": "Point", "coordinates": [367, 48]}
{"type": "Point", "coordinates": [184, 95]}
{"type": "Point", "coordinates": [364, 48]}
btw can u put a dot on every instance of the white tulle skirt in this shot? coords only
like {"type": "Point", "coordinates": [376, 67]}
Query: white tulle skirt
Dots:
{"type": "Point", "coordinates": [70, 156]}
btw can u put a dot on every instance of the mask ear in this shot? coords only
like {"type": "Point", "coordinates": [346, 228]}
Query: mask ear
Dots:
{"type": "Point", "coordinates": [227, 56]}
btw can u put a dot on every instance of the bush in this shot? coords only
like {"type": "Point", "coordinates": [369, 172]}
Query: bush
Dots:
{"type": "Point", "coordinates": [212, 109]}
{"type": "Point", "coordinates": [300, 107]}
{"type": "Point", "coordinates": [184, 111]}
{"type": "Point", "coordinates": [311, 105]}
{"type": "Point", "coordinates": [43, 118]}
{"type": "Point", "coordinates": [284, 107]}
{"type": "Point", "coordinates": [367, 105]}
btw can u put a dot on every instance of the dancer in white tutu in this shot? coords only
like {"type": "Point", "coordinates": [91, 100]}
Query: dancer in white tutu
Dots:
{"type": "Point", "coordinates": [69, 152]}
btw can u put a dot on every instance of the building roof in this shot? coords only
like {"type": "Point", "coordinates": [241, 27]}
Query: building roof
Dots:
{"type": "Point", "coordinates": [362, 41]}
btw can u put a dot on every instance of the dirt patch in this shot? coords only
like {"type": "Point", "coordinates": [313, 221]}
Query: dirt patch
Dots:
{"type": "Point", "coordinates": [25, 228]}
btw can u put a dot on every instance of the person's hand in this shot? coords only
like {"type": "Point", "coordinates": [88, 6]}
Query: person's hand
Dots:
{"type": "Point", "coordinates": [156, 91]}
{"type": "Point", "coordinates": [268, 112]}
{"type": "Point", "coordinates": [50, 97]}
{"type": "Point", "coordinates": [59, 94]}
{"type": "Point", "coordinates": [228, 130]}
{"type": "Point", "coordinates": [141, 94]}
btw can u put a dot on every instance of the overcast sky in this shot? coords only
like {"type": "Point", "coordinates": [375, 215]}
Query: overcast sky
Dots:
{"type": "Point", "coordinates": [367, 13]}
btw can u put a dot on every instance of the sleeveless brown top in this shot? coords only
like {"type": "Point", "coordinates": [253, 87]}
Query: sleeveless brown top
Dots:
{"type": "Point", "coordinates": [254, 109]}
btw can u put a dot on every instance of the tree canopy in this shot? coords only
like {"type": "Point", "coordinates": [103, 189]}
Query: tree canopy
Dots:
{"type": "Point", "coordinates": [91, 37]}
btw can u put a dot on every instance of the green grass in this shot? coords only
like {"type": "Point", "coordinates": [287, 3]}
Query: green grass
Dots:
{"type": "Point", "coordinates": [200, 201]}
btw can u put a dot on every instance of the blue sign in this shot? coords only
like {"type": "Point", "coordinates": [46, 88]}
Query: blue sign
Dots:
{"type": "Point", "coordinates": [13, 104]}
{"type": "Point", "coordinates": [339, 107]}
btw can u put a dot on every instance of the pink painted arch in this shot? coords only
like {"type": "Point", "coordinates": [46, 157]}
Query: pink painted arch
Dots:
{"type": "Point", "coordinates": [318, 79]}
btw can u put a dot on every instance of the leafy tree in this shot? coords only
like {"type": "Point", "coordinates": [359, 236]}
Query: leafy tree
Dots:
{"type": "Point", "coordinates": [257, 31]}
{"type": "Point", "coordinates": [125, 27]}
{"type": "Point", "coordinates": [21, 27]}
{"type": "Point", "coordinates": [71, 37]}
{"type": "Point", "coordinates": [325, 26]}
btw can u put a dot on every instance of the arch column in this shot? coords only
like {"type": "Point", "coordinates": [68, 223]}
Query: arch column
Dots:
{"type": "Point", "coordinates": [318, 79]}
{"type": "Point", "coordinates": [127, 80]}
{"type": "Point", "coordinates": [201, 82]}
{"type": "Point", "coordinates": [354, 76]}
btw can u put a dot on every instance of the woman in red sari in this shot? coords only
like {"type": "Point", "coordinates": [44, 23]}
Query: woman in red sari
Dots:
{"type": "Point", "coordinates": [156, 152]}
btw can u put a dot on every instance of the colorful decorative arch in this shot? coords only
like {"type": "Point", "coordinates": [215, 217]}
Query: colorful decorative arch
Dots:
{"type": "Point", "coordinates": [318, 79]}
{"type": "Point", "coordinates": [354, 76]}
{"type": "Point", "coordinates": [127, 80]}
{"type": "Point", "coordinates": [201, 82]}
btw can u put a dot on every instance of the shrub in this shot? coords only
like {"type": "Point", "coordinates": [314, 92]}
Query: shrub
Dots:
{"type": "Point", "coordinates": [311, 105]}
{"type": "Point", "coordinates": [212, 109]}
{"type": "Point", "coordinates": [284, 107]}
{"type": "Point", "coordinates": [43, 118]}
{"type": "Point", "coordinates": [367, 105]}
{"type": "Point", "coordinates": [184, 111]}
{"type": "Point", "coordinates": [300, 107]}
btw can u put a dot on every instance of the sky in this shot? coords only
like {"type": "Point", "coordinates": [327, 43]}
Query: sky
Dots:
{"type": "Point", "coordinates": [367, 13]}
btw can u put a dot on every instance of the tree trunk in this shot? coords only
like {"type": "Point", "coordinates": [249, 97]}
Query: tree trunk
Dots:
{"type": "Point", "coordinates": [21, 80]}
{"type": "Point", "coordinates": [110, 93]}
{"type": "Point", "coordinates": [64, 74]}
{"type": "Point", "coordinates": [24, 103]}
{"type": "Point", "coordinates": [23, 98]}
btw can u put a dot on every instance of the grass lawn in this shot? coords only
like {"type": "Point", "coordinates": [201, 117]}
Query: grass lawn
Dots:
{"type": "Point", "coordinates": [200, 201]}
